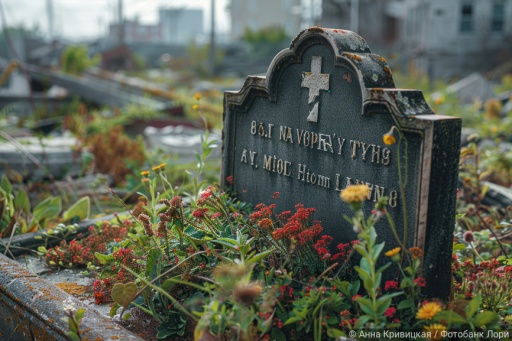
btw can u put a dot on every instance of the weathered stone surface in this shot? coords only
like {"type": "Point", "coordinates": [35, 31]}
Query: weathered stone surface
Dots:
{"type": "Point", "coordinates": [33, 309]}
{"type": "Point", "coordinates": [315, 124]}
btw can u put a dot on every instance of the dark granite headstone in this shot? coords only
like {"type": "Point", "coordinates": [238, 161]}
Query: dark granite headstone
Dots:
{"type": "Point", "coordinates": [315, 124]}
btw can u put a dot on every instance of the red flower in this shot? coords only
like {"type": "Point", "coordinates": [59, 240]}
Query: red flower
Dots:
{"type": "Point", "coordinates": [420, 281]}
{"type": "Point", "coordinates": [355, 297]}
{"type": "Point", "coordinates": [390, 285]}
{"type": "Point", "coordinates": [390, 312]}
{"type": "Point", "coordinates": [199, 212]}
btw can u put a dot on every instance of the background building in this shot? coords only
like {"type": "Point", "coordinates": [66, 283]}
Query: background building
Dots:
{"type": "Point", "coordinates": [259, 14]}
{"type": "Point", "coordinates": [180, 25]}
{"type": "Point", "coordinates": [438, 37]}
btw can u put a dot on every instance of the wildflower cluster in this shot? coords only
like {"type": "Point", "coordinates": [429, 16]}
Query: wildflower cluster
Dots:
{"type": "Point", "coordinates": [80, 252]}
{"type": "Point", "coordinates": [299, 228]}
{"type": "Point", "coordinates": [490, 279]}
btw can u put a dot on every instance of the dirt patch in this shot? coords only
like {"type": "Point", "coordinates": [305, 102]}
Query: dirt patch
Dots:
{"type": "Point", "coordinates": [73, 288]}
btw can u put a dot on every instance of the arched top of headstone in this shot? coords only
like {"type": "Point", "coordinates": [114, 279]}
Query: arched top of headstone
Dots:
{"type": "Point", "coordinates": [372, 69]}
{"type": "Point", "coordinates": [349, 50]}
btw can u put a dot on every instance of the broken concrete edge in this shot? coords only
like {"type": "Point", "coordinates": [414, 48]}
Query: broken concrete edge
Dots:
{"type": "Point", "coordinates": [23, 243]}
{"type": "Point", "coordinates": [33, 309]}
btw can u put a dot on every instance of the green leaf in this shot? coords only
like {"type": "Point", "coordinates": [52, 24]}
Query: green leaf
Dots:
{"type": "Point", "coordinates": [153, 263]}
{"type": "Point", "coordinates": [486, 318]}
{"type": "Point", "coordinates": [406, 283]}
{"type": "Point", "coordinates": [365, 265]}
{"type": "Point", "coordinates": [383, 303]}
{"type": "Point", "coordinates": [6, 185]}
{"type": "Point", "coordinates": [365, 304]}
{"type": "Point", "coordinates": [361, 249]}
{"type": "Point", "coordinates": [104, 259]}
{"type": "Point", "coordinates": [362, 272]}
{"type": "Point", "coordinates": [405, 304]}
{"type": "Point", "coordinates": [361, 321]}
{"type": "Point", "coordinates": [257, 258]}
{"type": "Point", "coordinates": [79, 210]}
{"type": "Point", "coordinates": [354, 288]}
{"type": "Point", "coordinates": [113, 309]}
{"type": "Point", "coordinates": [376, 285]}
{"type": "Point", "coordinates": [79, 314]}
{"type": "Point", "coordinates": [450, 317]}
{"type": "Point", "coordinates": [174, 326]}
{"type": "Point", "coordinates": [485, 188]}
{"type": "Point", "coordinates": [277, 334]}
{"type": "Point", "coordinates": [73, 336]}
{"type": "Point", "coordinates": [293, 319]}
{"type": "Point", "coordinates": [382, 268]}
{"type": "Point", "coordinates": [472, 307]}
{"type": "Point", "coordinates": [48, 208]}
{"type": "Point", "coordinates": [22, 202]}
{"type": "Point", "coordinates": [458, 247]}
{"type": "Point", "coordinates": [229, 245]}
{"type": "Point", "coordinates": [334, 333]}
{"type": "Point", "coordinates": [373, 236]}
{"type": "Point", "coordinates": [124, 294]}
{"type": "Point", "coordinates": [377, 250]}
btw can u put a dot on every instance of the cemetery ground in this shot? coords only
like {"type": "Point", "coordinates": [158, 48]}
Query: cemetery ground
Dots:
{"type": "Point", "coordinates": [185, 259]}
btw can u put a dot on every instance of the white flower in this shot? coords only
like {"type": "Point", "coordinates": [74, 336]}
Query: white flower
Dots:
{"type": "Point", "coordinates": [69, 305]}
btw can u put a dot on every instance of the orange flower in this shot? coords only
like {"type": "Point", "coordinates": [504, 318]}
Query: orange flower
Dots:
{"type": "Point", "coordinates": [416, 252]}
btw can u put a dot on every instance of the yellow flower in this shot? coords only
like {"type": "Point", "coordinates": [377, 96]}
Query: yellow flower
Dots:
{"type": "Point", "coordinates": [195, 107]}
{"type": "Point", "coordinates": [439, 100]}
{"type": "Point", "coordinates": [355, 193]}
{"type": "Point", "coordinates": [428, 311]}
{"type": "Point", "coordinates": [435, 330]}
{"type": "Point", "coordinates": [144, 173]}
{"type": "Point", "coordinates": [159, 168]}
{"type": "Point", "coordinates": [198, 96]}
{"type": "Point", "coordinates": [393, 252]}
{"type": "Point", "coordinates": [389, 137]}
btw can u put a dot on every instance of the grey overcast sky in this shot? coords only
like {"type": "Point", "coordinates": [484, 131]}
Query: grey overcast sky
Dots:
{"type": "Point", "coordinates": [85, 19]}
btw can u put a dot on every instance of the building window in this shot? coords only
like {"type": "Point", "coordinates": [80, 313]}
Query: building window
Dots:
{"type": "Point", "coordinates": [466, 19]}
{"type": "Point", "coordinates": [498, 17]}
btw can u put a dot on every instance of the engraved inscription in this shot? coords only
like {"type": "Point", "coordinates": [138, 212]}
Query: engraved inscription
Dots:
{"type": "Point", "coordinates": [252, 156]}
{"type": "Point", "coordinates": [261, 129]}
{"type": "Point", "coordinates": [305, 175]}
{"type": "Point", "coordinates": [376, 191]}
{"type": "Point", "coordinates": [355, 150]}
{"type": "Point", "coordinates": [275, 165]}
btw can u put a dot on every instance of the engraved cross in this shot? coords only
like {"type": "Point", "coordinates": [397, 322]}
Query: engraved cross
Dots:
{"type": "Point", "coordinates": [315, 80]}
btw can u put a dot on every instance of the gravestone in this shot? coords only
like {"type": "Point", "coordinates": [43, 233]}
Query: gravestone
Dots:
{"type": "Point", "coordinates": [315, 124]}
